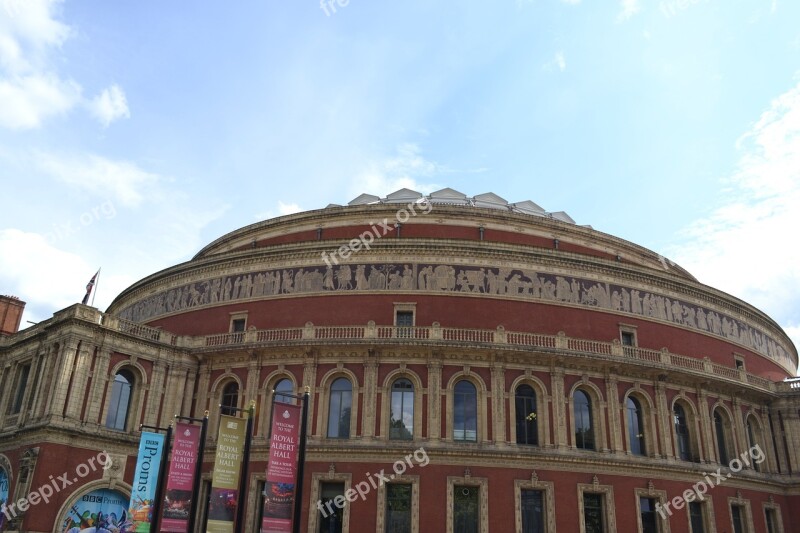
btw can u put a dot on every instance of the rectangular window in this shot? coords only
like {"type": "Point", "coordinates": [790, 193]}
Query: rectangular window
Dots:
{"type": "Point", "coordinates": [238, 325]}
{"type": "Point", "coordinates": [532, 511]}
{"type": "Point", "coordinates": [466, 509]}
{"type": "Point", "coordinates": [696, 517]}
{"type": "Point", "coordinates": [647, 515]}
{"type": "Point", "coordinates": [736, 517]}
{"type": "Point", "coordinates": [22, 383]}
{"type": "Point", "coordinates": [398, 508]}
{"type": "Point", "coordinates": [772, 521]}
{"type": "Point", "coordinates": [331, 516]}
{"type": "Point", "coordinates": [628, 339]}
{"type": "Point", "coordinates": [404, 319]}
{"type": "Point", "coordinates": [593, 513]}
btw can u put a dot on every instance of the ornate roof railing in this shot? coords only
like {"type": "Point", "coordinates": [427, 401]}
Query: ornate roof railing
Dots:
{"type": "Point", "coordinates": [435, 335]}
{"type": "Point", "coordinates": [498, 338]}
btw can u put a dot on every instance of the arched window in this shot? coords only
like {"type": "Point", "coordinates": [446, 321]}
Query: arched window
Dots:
{"type": "Point", "coordinates": [283, 387]}
{"type": "Point", "coordinates": [635, 426]}
{"type": "Point", "coordinates": [584, 428]}
{"type": "Point", "coordinates": [119, 407]}
{"type": "Point", "coordinates": [525, 405]}
{"type": "Point", "coordinates": [401, 417]}
{"type": "Point", "coordinates": [465, 412]}
{"type": "Point", "coordinates": [722, 441]}
{"type": "Point", "coordinates": [230, 399]}
{"type": "Point", "coordinates": [339, 409]}
{"type": "Point", "coordinates": [682, 432]}
{"type": "Point", "coordinates": [752, 441]}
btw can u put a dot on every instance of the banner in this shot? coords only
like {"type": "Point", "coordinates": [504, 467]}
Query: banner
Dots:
{"type": "Point", "coordinates": [99, 510]}
{"type": "Point", "coordinates": [227, 471]}
{"type": "Point", "coordinates": [3, 496]}
{"type": "Point", "coordinates": [281, 469]}
{"type": "Point", "coordinates": [145, 481]}
{"type": "Point", "coordinates": [183, 462]}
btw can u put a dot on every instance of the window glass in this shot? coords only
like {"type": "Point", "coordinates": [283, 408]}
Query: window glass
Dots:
{"type": "Point", "coordinates": [635, 426]}
{"type": "Point", "coordinates": [722, 448]}
{"type": "Point", "coordinates": [584, 430]}
{"type": "Point", "coordinates": [593, 512]}
{"type": "Point", "coordinates": [330, 517]}
{"type": "Point", "coordinates": [647, 508]}
{"type": "Point", "coordinates": [284, 386]}
{"type": "Point", "coordinates": [527, 423]}
{"type": "Point", "coordinates": [22, 384]}
{"type": "Point", "coordinates": [401, 417]}
{"type": "Point", "coordinates": [230, 399]}
{"type": "Point", "coordinates": [465, 412]}
{"type": "Point", "coordinates": [398, 508]}
{"type": "Point", "coordinates": [339, 409]}
{"type": "Point", "coordinates": [532, 502]}
{"type": "Point", "coordinates": [682, 432]}
{"type": "Point", "coordinates": [696, 517]}
{"type": "Point", "coordinates": [117, 417]}
{"type": "Point", "coordinates": [466, 511]}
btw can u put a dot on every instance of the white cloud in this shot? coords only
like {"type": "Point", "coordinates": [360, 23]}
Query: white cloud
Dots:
{"type": "Point", "coordinates": [406, 169]}
{"type": "Point", "coordinates": [747, 245]}
{"type": "Point", "coordinates": [121, 181]}
{"type": "Point", "coordinates": [283, 209]}
{"type": "Point", "coordinates": [559, 62]}
{"type": "Point", "coordinates": [288, 209]}
{"type": "Point", "coordinates": [29, 100]}
{"type": "Point", "coordinates": [628, 8]}
{"type": "Point", "coordinates": [26, 264]}
{"type": "Point", "coordinates": [31, 88]}
{"type": "Point", "coordinates": [109, 105]}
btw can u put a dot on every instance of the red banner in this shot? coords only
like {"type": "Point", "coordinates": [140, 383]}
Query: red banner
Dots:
{"type": "Point", "coordinates": [183, 462]}
{"type": "Point", "coordinates": [279, 491]}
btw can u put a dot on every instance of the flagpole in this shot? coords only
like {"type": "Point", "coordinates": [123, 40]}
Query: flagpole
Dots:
{"type": "Point", "coordinates": [96, 284]}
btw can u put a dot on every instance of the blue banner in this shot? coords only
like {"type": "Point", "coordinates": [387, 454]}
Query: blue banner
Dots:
{"type": "Point", "coordinates": [145, 481]}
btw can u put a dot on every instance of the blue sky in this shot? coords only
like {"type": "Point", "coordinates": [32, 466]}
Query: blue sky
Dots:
{"type": "Point", "coordinates": [134, 132]}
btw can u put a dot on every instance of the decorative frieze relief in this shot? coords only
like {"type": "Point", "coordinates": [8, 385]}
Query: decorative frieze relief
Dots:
{"type": "Point", "coordinates": [438, 278]}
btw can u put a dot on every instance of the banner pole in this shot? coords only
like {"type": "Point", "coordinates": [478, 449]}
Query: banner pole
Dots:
{"type": "Point", "coordinates": [298, 503]}
{"type": "Point", "coordinates": [198, 471]}
{"type": "Point", "coordinates": [160, 484]}
{"type": "Point", "coordinates": [269, 444]}
{"type": "Point", "coordinates": [245, 467]}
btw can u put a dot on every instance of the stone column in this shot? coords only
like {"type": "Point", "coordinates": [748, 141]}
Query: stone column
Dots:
{"type": "Point", "coordinates": [310, 381]}
{"type": "Point", "coordinates": [370, 397]}
{"type": "Point", "coordinates": [665, 418]}
{"type": "Point", "coordinates": [251, 386]}
{"type": "Point", "coordinates": [617, 428]}
{"type": "Point", "coordinates": [768, 448]}
{"type": "Point", "coordinates": [499, 435]}
{"type": "Point", "coordinates": [155, 397]}
{"type": "Point", "coordinates": [559, 407]}
{"type": "Point", "coordinates": [188, 394]}
{"type": "Point", "coordinates": [202, 390]}
{"type": "Point", "coordinates": [791, 432]}
{"type": "Point", "coordinates": [58, 393]}
{"type": "Point", "coordinates": [705, 425]}
{"type": "Point", "coordinates": [738, 421]}
{"type": "Point", "coordinates": [435, 398]}
{"type": "Point", "coordinates": [99, 384]}
{"type": "Point", "coordinates": [80, 377]}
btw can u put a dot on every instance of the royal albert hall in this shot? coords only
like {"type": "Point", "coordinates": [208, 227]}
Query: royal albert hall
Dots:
{"type": "Point", "coordinates": [473, 365]}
